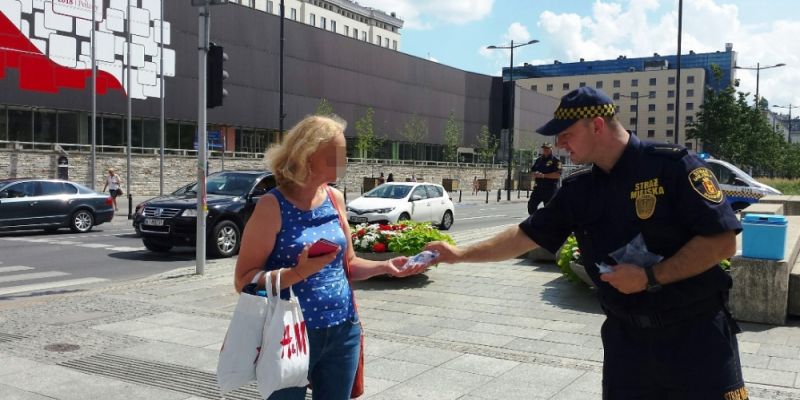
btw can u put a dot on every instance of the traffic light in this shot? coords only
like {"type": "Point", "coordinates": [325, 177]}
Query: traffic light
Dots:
{"type": "Point", "coordinates": [215, 74]}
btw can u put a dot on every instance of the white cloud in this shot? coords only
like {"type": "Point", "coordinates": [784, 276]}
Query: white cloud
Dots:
{"type": "Point", "coordinates": [425, 14]}
{"type": "Point", "coordinates": [518, 33]}
{"type": "Point", "coordinates": [642, 27]}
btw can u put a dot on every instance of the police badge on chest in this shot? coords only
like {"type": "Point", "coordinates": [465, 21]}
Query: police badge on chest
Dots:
{"type": "Point", "coordinates": [645, 196]}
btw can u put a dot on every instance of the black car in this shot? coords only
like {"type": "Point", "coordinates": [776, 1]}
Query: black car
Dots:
{"type": "Point", "coordinates": [28, 203]}
{"type": "Point", "coordinates": [167, 221]}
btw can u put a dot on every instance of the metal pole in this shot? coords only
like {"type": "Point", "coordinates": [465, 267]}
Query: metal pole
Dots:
{"type": "Point", "coordinates": [510, 123]}
{"type": "Point", "coordinates": [161, 126]}
{"type": "Point", "coordinates": [202, 54]}
{"type": "Point", "coordinates": [281, 114]}
{"type": "Point", "coordinates": [92, 171]}
{"type": "Point", "coordinates": [130, 117]}
{"type": "Point", "coordinates": [678, 80]}
{"type": "Point", "coordinates": [637, 115]}
{"type": "Point", "coordinates": [758, 73]}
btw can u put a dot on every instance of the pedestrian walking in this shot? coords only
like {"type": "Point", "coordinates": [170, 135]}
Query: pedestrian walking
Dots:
{"type": "Point", "coordinates": [113, 183]}
{"type": "Point", "coordinates": [546, 171]}
{"type": "Point", "coordinates": [475, 185]}
{"type": "Point", "coordinates": [390, 177]}
{"type": "Point", "coordinates": [668, 333]}
{"type": "Point", "coordinates": [286, 221]}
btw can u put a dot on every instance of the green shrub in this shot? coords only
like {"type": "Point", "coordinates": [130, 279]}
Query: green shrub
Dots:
{"type": "Point", "coordinates": [414, 239]}
{"type": "Point", "coordinates": [786, 186]}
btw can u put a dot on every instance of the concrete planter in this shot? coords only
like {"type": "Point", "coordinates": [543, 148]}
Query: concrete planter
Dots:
{"type": "Point", "coordinates": [377, 256]}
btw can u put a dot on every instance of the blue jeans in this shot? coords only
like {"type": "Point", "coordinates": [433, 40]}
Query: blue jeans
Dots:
{"type": "Point", "coordinates": [332, 363]}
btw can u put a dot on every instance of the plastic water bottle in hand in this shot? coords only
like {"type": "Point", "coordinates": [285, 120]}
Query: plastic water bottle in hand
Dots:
{"type": "Point", "coordinates": [424, 258]}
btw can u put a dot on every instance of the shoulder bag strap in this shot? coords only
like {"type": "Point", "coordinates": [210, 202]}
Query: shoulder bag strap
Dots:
{"type": "Point", "coordinates": [345, 259]}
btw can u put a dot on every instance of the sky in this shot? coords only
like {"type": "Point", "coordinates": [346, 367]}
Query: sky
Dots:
{"type": "Point", "coordinates": [457, 32]}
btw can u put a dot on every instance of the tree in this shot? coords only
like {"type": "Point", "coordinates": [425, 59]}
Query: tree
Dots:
{"type": "Point", "coordinates": [453, 134]}
{"type": "Point", "coordinates": [414, 131]}
{"type": "Point", "coordinates": [367, 143]}
{"type": "Point", "coordinates": [487, 147]}
{"type": "Point", "coordinates": [324, 108]}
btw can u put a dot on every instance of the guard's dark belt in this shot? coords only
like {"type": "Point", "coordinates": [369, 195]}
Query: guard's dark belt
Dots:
{"type": "Point", "coordinates": [706, 307]}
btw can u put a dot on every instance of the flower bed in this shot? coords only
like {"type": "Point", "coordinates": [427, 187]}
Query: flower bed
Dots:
{"type": "Point", "coordinates": [405, 238]}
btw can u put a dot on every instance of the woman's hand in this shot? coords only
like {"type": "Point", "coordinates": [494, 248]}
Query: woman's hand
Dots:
{"type": "Point", "coordinates": [394, 267]}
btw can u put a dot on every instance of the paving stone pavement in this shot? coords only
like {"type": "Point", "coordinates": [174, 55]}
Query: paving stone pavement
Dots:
{"type": "Point", "coordinates": [506, 330]}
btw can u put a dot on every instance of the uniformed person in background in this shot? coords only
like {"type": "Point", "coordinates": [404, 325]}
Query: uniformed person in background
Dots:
{"type": "Point", "coordinates": [668, 334]}
{"type": "Point", "coordinates": [546, 171]}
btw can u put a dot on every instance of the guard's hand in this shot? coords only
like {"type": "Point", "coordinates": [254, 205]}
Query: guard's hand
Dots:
{"type": "Point", "coordinates": [447, 252]}
{"type": "Point", "coordinates": [627, 278]}
{"type": "Point", "coordinates": [309, 266]}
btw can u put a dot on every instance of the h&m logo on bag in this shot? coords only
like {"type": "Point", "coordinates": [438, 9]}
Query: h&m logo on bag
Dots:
{"type": "Point", "coordinates": [294, 344]}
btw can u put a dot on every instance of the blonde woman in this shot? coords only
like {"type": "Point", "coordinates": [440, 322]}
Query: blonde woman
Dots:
{"type": "Point", "coordinates": [286, 221]}
{"type": "Point", "coordinates": [113, 183]}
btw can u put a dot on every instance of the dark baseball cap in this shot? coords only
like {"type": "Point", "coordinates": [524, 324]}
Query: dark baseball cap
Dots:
{"type": "Point", "coordinates": [583, 102]}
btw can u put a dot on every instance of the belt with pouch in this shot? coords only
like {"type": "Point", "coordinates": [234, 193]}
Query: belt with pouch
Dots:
{"type": "Point", "coordinates": [705, 307]}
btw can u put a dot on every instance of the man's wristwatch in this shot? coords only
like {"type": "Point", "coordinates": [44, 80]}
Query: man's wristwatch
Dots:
{"type": "Point", "coordinates": [652, 284]}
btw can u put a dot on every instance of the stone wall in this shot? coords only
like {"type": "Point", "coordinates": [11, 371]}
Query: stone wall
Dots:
{"type": "Point", "coordinates": [179, 170]}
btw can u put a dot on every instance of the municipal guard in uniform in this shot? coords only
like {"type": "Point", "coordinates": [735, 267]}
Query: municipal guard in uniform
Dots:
{"type": "Point", "coordinates": [546, 171]}
{"type": "Point", "coordinates": [668, 334]}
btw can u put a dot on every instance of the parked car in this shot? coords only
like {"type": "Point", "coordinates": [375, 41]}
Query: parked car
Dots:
{"type": "Point", "coordinates": [51, 204]}
{"type": "Point", "coordinates": [398, 201]}
{"type": "Point", "coordinates": [740, 189]}
{"type": "Point", "coordinates": [168, 221]}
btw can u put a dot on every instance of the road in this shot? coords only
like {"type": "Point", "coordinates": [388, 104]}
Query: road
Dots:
{"type": "Point", "coordinates": [35, 263]}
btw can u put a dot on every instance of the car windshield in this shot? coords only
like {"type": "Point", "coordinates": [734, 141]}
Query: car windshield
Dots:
{"type": "Point", "coordinates": [229, 184]}
{"type": "Point", "coordinates": [389, 191]}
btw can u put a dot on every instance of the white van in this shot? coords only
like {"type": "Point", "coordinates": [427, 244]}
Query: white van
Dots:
{"type": "Point", "coordinates": [740, 189]}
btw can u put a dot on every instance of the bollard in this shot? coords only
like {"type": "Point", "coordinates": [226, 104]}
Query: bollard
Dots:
{"type": "Point", "coordinates": [459, 196]}
{"type": "Point", "coordinates": [345, 194]}
{"type": "Point", "coordinates": [527, 194]}
{"type": "Point", "coordinates": [498, 195]}
{"type": "Point", "coordinates": [517, 193]}
{"type": "Point", "coordinates": [487, 196]}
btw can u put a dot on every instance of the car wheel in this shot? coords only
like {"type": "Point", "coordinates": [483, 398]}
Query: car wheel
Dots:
{"type": "Point", "coordinates": [447, 221]}
{"type": "Point", "coordinates": [156, 246]}
{"type": "Point", "coordinates": [225, 240]}
{"type": "Point", "coordinates": [82, 221]}
{"type": "Point", "coordinates": [403, 217]}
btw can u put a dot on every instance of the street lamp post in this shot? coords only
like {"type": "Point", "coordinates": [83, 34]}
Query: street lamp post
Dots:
{"type": "Point", "coordinates": [758, 69]}
{"type": "Point", "coordinates": [790, 107]}
{"type": "Point", "coordinates": [511, 87]}
{"type": "Point", "coordinates": [636, 117]}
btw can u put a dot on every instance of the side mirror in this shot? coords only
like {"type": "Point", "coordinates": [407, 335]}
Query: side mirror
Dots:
{"type": "Point", "coordinates": [739, 182]}
{"type": "Point", "coordinates": [415, 197]}
{"type": "Point", "coordinates": [258, 192]}
{"type": "Point", "coordinates": [3, 195]}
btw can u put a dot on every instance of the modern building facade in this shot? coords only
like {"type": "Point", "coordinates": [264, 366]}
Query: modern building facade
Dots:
{"type": "Point", "coordinates": [344, 17]}
{"type": "Point", "coordinates": [645, 88]}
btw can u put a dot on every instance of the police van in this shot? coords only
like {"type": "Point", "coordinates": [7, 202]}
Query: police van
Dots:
{"type": "Point", "coordinates": [740, 189]}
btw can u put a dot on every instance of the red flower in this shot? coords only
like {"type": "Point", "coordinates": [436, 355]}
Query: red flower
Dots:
{"type": "Point", "coordinates": [361, 232]}
{"type": "Point", "coordinates": [379, 247]}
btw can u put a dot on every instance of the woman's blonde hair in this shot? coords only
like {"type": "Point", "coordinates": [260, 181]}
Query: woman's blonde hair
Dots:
{"type": "Point", "coordinates": [289, 160]}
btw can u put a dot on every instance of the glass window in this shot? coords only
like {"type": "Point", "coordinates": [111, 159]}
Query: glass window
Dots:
{"type": "Point", "coordinates": [689, 92]}
{"type": "Point", "coordinates": [355, 33]}
{"type": "Point", "coordinates": [68, 127]}
{"type": "Point", "coordinates": [394, 44]}
{"type": "Point", "coordinates": [671, 119]}
{"type": "Point", "coordinates": [632, 121]}
{"type": "Point", "coordinates": [151, 133]}
{"type": "Point", "coordinates": [670, 94]}
{"type": "Point", "coordinates": [549, 87]}
{"type": "Point", "coordinates": [187, 135]}
{"type": "Point", "coordinates": [113, 132]}
{"type": "Point", "coordinates": [632, 108]}
{"type": "Point", "coordinates": [172, 135]}
{"type": "Point", "coordinates": [616, 96]}
{"type": "Point", "coordinates": [582, 84]}
{"type": "Point", "coordinates": [671, 80]}
{"type": "Point", "coordinates": [3, 123]}
{"type": "Point", "coordinates": [54, 188]}
{"type": "Point", "coordinates": [670, 107]}
{"type": "Point", "coordinates": [616, 83]}
{"type": "Point", "coordinates": [689, 119]}
{"type": "Point", "coordinates": [634, 95]}
{"type": "Point", "coordinates": [535, 88]}
{"type": "Point", "coordinates": [688, 145]}
{"type": "Point", "coordinates": [616, 109]}
{"type": "Point", "coordinates": [364, 36]}
{"type": "Point", "coordinates": [312, 19]}
{"type": "Point", "coordinates": [419, 191]}
{"type": "Point", "coordinates": [652, 94]}
{"type": "Point", "coordinates": [689, 106]}
{"type": "Point", "coordinates": [598, 84]}
{"type": "Point", "coordinates": [652, 81]}
{"type": "Point", "coordinates": [634, 82]}
{"type": "Point", "coordinates": [136, 129]}
{"type": "Point", "coordinates": [333, 26]}
{"type": "Point", "coordinates": [651, 107]}
{"type": "Point", "coordinates": [690, 79]}
{"type": "Point", "coordinates": [651, 120]}
{"type": "Point", "coordinates": [386, 42]}
{"type": "Point", "coordinates": [20, 124]}
{"type": "Point", "coordinates": [434, 191]}
{"type": "Point", "coordinates": [379, 40]}
{"type": "Point", "coordinates": [44, 126]}
{"type": "Point", "coordinates": [323, 23]}
{"type": "Point", "coordinates": [669, 132]}
{"type": "Point", "coordinates": [270, 7]}
{"type": "Point", "coordinates": [293, 13]}
{"type": "Point", "coordinates": [346, 30]}
{"type": "Point", "coordinates": [21, 189]}
{"type": "Point", "coordinates": [651, 133]}
{"type": "Point", "coordinates": [565, 86]}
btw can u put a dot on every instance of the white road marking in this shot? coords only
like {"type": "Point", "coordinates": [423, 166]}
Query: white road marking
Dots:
{"type": "Point", "coordinates": [32, 275]}
{"type": "Point", "coordinates": [482, 216]}
{"type": "Point", "coordinates": [14, 268]}
{"type": "Point", "coordinates": [49, 285]}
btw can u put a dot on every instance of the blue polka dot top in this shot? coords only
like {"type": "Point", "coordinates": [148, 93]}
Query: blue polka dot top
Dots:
{"type": "Point", "coordinates": [325, 296]}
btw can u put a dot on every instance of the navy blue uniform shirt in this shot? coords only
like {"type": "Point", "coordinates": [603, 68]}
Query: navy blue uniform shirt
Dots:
{"type": "Point", "coordinates": [546, 165]}
{"type": "Point", "coordinates": [657, 190]}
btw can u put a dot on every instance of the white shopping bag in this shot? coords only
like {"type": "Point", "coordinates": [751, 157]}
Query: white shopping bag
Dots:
{"type": "Point", "coordinates": [240, 349]}
{"type": "Point", "coordinates": [284, 348]}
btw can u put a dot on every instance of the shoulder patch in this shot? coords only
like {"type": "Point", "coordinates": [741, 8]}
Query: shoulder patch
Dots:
{"type": "Point", "coordinates": [577, 174]}
{"type": "Point", "coordinates": [673, 151]}
{"type": "Point", "coordinates": [705, 184]}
